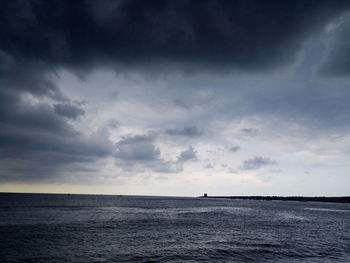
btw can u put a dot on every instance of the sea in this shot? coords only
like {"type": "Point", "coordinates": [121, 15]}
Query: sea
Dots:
{"type": "Point", "coordinates": [101, 228]}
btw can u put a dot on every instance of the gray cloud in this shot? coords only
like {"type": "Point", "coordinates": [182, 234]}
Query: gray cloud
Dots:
{"type": "Point", "coordinates": [113, 123]}
{"type": "Point", "coordinates": [137, 148]}
{"type": "Point", "coordinates": [39, 117]}
{"type": "Point", "coordinates": [249, 131]}
{"type": "Point", "coordinates": [309, 103]}
{"type": "Point", "coordinates": [176, 166]}
{"type": "Point", "coordinates": [181, 104]}
{"type": "Point", "coordinates": [235, 148]}
{"type": "Point", "coordinates": [37, 155]}
{"type": "Point", "coordinates": [68, 110]}
{"type": "Point", "coordinates": [188, 131]}
{"type": "Point", "coordinates": [167, 167]}
{"type": "Point", "coordinates": [36, 143]}
{"type": "Point", "coordinates": [113, 95]}
{"type": "Point", "coordinates": [29, 76]}
{"type": "Point", "coordinates": [189, 154]}
{"type": "Point", "coordinates": [257, 163]}
{"type": "Point", "coordinates": [209, 166]}
{"type": "Point", "coordinates": [338, 62]}
{"type": "Point", "coordinates": [140, 151]}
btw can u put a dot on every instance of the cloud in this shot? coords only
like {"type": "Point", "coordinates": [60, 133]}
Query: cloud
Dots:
{"type": "Point", "coordinates": [133, 152]}
{"type": "Point", "coordinates": [337, 62]}
{"type": "Point", "coordinates": [187, 131]}
{"type": "Point", "coordinates": [167, 167]}
{"type": "Point", "coordinates": [113, 123]}
{"type": "Point", "coordinates": [36, 141]}
{"type": "Point", "coordinates": [187, 155]}
{"type": "Point", "coordinates": [38, 117]}
{"type": "Point", "coordinates": [249, 35]}
{"type": "Point", "coordinates": [181, 104]}
{"type": "Point", "coordinates": [235, 148]}
{"type": "Point", "coordinates": [28, 76]}
{"type": "Point", "coordinates": [176, 166]}
{"type": "Point", "coordinates": [209, 166]}
{"type": "Point", "coordinates": [257, 163]}
{"type": "Point", "coordinates": [137, 148]}
{"type": "Point", "coordinates": [249, 131]}
{"type": "Point", "coordinates": [68, 110]}
{"type": "Point", "coordinates": [32, 155]}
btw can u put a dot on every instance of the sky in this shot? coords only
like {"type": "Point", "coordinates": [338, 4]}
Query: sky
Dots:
{"type": "Point", "coordinates": [175, 98]}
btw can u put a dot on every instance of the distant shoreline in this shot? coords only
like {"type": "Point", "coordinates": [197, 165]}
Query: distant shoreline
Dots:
{"type": "Point", "coordinates": [342, 199]}
{"type": "Point", "coordinates": [334, 199]}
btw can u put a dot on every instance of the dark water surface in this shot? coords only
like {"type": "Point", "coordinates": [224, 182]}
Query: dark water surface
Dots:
{"type": "Point", "coordinates": [87, 228]}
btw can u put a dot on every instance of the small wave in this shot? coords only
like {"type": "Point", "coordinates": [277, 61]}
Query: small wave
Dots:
{"type": "Point", "coordinates": [215, 209]}
{"type": "Point", "coordinates": [290, 216]}
{"type": "Point", "coordinates": [188, 210]}
{"type": "Point", "coordinates": [326, 209]}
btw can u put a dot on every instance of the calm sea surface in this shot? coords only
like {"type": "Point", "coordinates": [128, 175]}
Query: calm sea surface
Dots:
{"type": "Point", "coordinates": [91, 228]}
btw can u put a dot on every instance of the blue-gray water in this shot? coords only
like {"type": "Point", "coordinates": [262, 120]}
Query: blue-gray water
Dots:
{"type": "Point", "coordinates": [86, 228]}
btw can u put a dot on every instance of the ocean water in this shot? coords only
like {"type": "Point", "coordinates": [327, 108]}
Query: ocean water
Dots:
{"type": "Point", "coordinates": [92, 228]}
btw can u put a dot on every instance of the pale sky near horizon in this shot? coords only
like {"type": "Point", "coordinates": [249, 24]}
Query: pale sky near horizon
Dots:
{"type": "Point", "coordinates": [175, 98]}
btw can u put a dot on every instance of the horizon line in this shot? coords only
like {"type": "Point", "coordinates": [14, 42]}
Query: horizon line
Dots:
{"type": "Point", "coordinates": [209, 196]}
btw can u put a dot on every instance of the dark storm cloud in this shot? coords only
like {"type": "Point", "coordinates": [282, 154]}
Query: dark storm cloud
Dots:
{"type": "Point", "coordinates": [37, 155]}
{"type": "Point", "coordinates": [257, 163]}
{"type": "Point", "coordinates": [29, 76]}
{"type": "Point", "coordinates": [188, 131]}
{"type": "Point", "coordinates": [68, 110]}
{"type": "Point", "coordinates": [249, 35]}
{"type": "Point", "coordinates": [338, 61]}
{"type": "Point", "coordinates": [32, 117]}
{"type": "Point", "coordinates": [36, 143]}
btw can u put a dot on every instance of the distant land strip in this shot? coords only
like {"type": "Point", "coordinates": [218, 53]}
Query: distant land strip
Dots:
{"type": "Point", "coordinates": [342, 199]}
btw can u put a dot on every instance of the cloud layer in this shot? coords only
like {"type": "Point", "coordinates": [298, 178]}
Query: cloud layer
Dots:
{"type": "Point", "coordinates": [141, 88]}
{"type": "Point", "coordinates": [250, 35]}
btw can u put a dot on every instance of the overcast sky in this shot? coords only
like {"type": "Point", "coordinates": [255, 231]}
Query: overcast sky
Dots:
{"type": "Point", "coordinates": [175, 97]}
